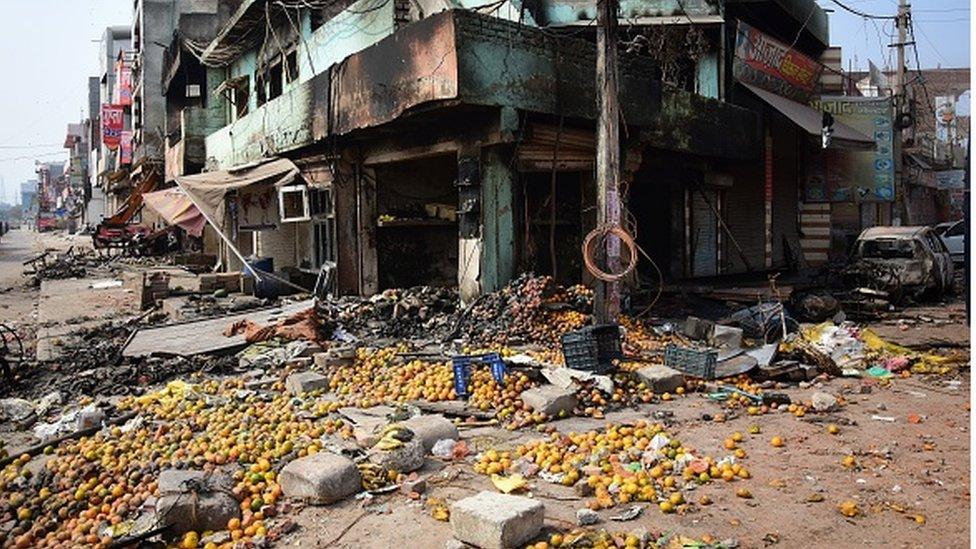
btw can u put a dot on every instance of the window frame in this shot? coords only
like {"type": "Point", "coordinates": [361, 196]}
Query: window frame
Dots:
{"type": "Point", "coordinates": [292, 189]}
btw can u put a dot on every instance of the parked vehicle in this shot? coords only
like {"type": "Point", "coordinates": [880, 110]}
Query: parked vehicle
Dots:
{"type": "Point", "coordinates": [46, 221]}
{"type": "Point", "coordinates": [903, 261]}
{"type": "Point", "coordinates": [953, 235]}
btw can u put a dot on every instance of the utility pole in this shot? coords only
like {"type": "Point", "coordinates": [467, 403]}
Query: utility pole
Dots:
{"type": "Point", "coordinates": [607, 303]}
{"type": "Point", "coordinates": [900, 100]}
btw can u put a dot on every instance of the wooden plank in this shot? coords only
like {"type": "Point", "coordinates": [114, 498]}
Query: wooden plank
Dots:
{"type": "Point", "coordinates": [203, 336]}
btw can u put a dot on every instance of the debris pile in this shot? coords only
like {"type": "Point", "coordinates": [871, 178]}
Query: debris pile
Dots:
{"type": "Point", "coordinates": [92, 365]}
{"type": "Point", "coordinates": [531, 309]}
{"type": "Point", "coordinates": [419, 312]}
{"type": "Point", "coordinates": [61, 266]}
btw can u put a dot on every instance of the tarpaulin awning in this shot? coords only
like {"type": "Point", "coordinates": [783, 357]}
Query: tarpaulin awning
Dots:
{"type": "Point", "coordinates": [811, 121]}
{"type": "Point", "coordinates": [208, 190]}
{"type": "Point", "coordinates": [177, 209]}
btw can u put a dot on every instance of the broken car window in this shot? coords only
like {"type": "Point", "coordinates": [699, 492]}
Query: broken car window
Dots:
{"type": "Point", "coordinates": [887, 249]}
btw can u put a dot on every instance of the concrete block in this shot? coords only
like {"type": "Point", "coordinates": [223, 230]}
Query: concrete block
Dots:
{"type": "Point", "coordinates": [336, 356]}
{"type": "Point", "coordinates": [823, 402]}
{"type": "Point", "coordinates": [320, 478]}
{"type": "Point", "coordinates": [431, 428]}
{"type": "Point", "coordinates": [404, 459]}
{"type": "Point", "coordinates": [726, 337]}
{"type": "Point", "coordinates": [697, 328]}
{"type": "Point", "coordinates": [195, 500]}
{"type": "Point", "coordinates": [661, 379]}
{"type": "Point", "coordinates": [496, 521]}
{"type": "Point", "coordinates": [550, 399]}
{"type": "Point", "coordinates": [304, 382]}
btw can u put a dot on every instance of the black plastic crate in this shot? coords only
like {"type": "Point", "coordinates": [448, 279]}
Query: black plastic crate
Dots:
{"type": "Point", "coordinates": [694, 362]}
{"type": "Point", "coordinates": [593, 348]}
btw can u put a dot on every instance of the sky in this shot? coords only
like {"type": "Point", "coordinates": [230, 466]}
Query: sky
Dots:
{"type": "Point", "coordinates": [942, 28]}
{"type": "Point", "coordinates": [52, 47]}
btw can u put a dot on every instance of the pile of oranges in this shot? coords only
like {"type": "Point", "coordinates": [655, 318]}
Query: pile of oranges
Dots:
{"type": "Point", "coordinates": [620, 464]}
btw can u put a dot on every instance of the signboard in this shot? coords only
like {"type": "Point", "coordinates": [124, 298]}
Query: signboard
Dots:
{"type": "Point", "coordinates": [945, 118]}
{"type": "Point", "coordinates": [123, 84]}
{"type": "Point", "coordinates": [125, 147]}
{"type": "Point", "coordinates": [111, 126]}
{"type": "Point", "coordinates": [950, 179]}
{"type": "Point", "coordinates": [836, 175]}
{"type": "Point", "coordinates": [767, 63]}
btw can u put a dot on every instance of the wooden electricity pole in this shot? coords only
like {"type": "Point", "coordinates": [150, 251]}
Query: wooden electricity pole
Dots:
{"type": "Point", "coordinates": [900, 101]}
{"type": "Point", "coordinates": [607, 303]}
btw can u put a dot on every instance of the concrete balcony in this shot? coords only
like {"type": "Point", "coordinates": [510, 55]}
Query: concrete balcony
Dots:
{"type": "Point", "coordinates": [186, 151]}
{"type": "Point", "coordinates": [292, 120]}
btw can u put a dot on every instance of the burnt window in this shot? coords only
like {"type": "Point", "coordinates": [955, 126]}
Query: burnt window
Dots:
{"type": "Point", "coordinates": [275, 81]}
{"type": "Point", "coordinates": [259, 88]}
{"type": "Point", "coordinates": [316, 18]}
{"type": "Point", "coordinates": [888, 249]}
{"type": "Point", "coordinates": [323, 227]}
{"type": "Point", "coordinates": [239, 97]}
{"type": "Point", "coordinates": [291, 66]}
{"type": "Point", "coordinates": [293, 204]}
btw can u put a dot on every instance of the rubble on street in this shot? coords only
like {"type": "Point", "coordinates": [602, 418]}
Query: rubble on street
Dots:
{"type": "Point", "coordinates": [535, 274]}
{"type": "Point", "coordinates": [349, 408]}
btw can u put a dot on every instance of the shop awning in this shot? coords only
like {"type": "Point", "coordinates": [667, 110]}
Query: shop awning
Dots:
{"type": "Point", "coordinates": [811, 121]}
{"type": "Point", "coordinates": [177, 209]}
{"type": "Point", "coordinates": [208, 190]}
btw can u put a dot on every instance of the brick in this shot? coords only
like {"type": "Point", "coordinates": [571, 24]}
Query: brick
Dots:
{"type": "Point", "coordinates": [661, 379]}
{"type": "Point", "coordinates": [431, 428]}
{"type": "Point", "coordinates": [304, 382]}
{"type": "Point", "coordinates": [320, 478]}
{"type": "Point", "coordinates": [550, 399]}
{"type": "Point", "coordinates": [496, 521]}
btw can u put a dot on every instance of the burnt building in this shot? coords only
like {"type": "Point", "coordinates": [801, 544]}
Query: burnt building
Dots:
{"type": "Point", "coordinates": [380, 144]}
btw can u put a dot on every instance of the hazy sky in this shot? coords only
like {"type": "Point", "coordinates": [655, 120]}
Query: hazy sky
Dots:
{"type": "Point", "coordinates": [942, 28]}
{"type": "Point", "coordinates": [48, 48]}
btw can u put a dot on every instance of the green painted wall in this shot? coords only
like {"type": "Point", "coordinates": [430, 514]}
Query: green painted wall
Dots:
{"type": "Point", "coordinates": [498, 220]}
{"type": "Point", "coordinates": [286, 122]}
{"type": "Point", "coordinates": [363, 24]}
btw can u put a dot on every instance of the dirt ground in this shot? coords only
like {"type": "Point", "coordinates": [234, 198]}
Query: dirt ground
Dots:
{"type": "Point", "coordinates": [910, 439]}
{"type": "Point", "coordinates": [911, 481]}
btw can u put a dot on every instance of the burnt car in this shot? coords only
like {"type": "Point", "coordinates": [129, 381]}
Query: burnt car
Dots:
{"type": "Point", "coordinates": [902, 261]}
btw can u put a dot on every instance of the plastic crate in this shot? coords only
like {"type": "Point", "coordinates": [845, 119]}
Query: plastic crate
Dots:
{"type": "Point", "coordinates": [593, 348]}
{"type": "Point", "coordinates": [694, 362]}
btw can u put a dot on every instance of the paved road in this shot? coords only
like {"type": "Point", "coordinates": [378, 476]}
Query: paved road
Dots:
{"type": "Point", "coordinates": [17, 302]}
{"type": "Point", "coordinates": [15, 247]}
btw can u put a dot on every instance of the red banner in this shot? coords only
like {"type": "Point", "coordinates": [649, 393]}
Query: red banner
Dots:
{"type": "Point", "coordinates": [111, 126]}
{"type": "Point", "coordinates": [125, 147]}
{"type": "Point", "coordinates": [123, 83]}
{"type": "Point", "coordinates": [763, 61]}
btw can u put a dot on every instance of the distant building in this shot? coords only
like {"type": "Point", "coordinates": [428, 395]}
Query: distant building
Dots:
{"type": "Point", "coordinates": [28, 202]}
{"type": "Point", "coordinates": [935, 142]}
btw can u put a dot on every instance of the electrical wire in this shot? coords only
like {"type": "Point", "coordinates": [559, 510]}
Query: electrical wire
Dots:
{"type": "Point", "coordinates": [32, 156]}
{"type": "Point", "coordinates": [860, 13]}
{"type": "Point", "coordinates": [590, 262]}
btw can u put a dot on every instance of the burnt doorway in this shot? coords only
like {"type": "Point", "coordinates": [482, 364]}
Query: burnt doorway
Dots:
{"type": "Point", "coordinates": [416, 226]}
{"type": "Point", "coordinates": [539, 245]}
